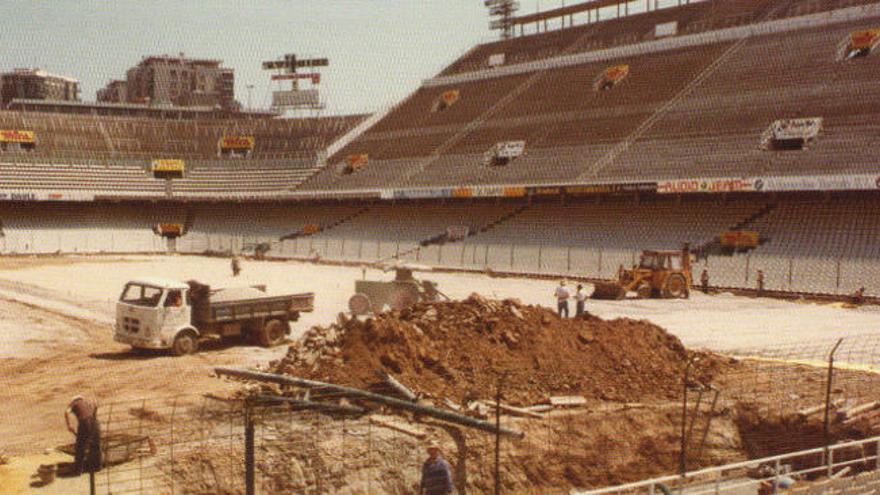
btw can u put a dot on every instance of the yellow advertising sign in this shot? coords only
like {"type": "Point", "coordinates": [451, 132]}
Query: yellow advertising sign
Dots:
{"type": "Point", "coordinates": [170, 228]}
{"type": "Point", "coordinates": [12, 136]}
{"type": "Point", "coordinates": [168, 165]}
{"type": "Point", "coordinates": [739, 239]}
{"type": "Point", "coordinates": [450, 97]}
{"type": "Point", "coordinates": [863, 39]}
{"type": "Point", "coordinates": [514, 192]}
{"type": "Point", "coordinates": [462, 192]}
{"type": "Point", "coordinates": [236, 143]}
{"type": "Point", "coordinates": [357, 161]}
{"type": "Point", "coordinates": [616, 73]}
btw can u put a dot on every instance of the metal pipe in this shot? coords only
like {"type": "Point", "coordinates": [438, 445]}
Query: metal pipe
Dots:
{"type": "Point", "coordinates": [363, 394]}
{"type": "Point", "coordinates": [396, 385]}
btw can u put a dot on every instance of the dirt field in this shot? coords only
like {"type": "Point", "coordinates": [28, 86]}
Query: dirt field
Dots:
{"type": "Point", "coordinates": [56, 338]}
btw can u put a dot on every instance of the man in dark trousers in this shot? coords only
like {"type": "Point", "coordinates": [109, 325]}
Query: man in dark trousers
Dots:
{"type": "Point", "coordinates": [759, 280]}
{"type": "Point", "coordinates": [236, 266]}
{"type": "Point", "coordinates": [704, 281]}
{"type": "Point", "coordinates": [88, 434]}
{"type": "Point", "coordinates": [436, 473]}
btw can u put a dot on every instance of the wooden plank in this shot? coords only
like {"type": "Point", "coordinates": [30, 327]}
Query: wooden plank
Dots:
{"type": "Point", "coordinates": [539, 408]}
{"type": "Point", "coordinates": [856, 410]}
{"type": "Point", "coordinates": [393, 423]}
{"type": "Point", "coordinates": [809, 411]}
{"type": "Point", "coordinates": [515, 411]}
{"type": "Point", "coordinates": [568, 401]}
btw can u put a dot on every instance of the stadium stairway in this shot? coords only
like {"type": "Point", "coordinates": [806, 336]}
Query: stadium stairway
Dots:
{"type": "Point", "coordinates": [324, 228]}
{"type": "Point", "coordinates": [443, 238]}
{"type": "Point", "coordinates": [713, 247]}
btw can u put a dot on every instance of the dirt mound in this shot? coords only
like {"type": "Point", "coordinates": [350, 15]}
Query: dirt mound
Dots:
{"type": "Point", "coordinates": [459, 349]}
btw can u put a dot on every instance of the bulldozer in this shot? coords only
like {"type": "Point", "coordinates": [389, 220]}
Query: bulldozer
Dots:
{"type": "Point", "coordinates": [402, 292]}
{"type": "Point", "coordinates": [659, 274]}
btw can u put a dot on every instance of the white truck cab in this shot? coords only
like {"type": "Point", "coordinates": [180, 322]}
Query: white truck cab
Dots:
{"type": "Point", "coordinates": [152, 312]}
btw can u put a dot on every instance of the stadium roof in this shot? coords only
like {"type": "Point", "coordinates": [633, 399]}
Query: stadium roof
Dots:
{"type": "Point", "coordinates": [564, 11]}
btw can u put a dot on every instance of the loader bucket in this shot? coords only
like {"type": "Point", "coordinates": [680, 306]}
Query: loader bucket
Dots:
{"type": "Point", "coordinates": [608, 290]}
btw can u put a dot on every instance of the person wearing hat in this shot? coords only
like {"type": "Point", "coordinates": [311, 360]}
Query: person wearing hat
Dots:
{"type": "Point", "coordinates": [436, 473]}
{"type": "Point", "coordinates": [88, 434]}
{"type": "Point", "coordinates": [562, 296]}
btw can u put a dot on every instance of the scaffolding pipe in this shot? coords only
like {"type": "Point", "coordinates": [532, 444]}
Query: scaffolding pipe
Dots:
{"type": "Point", "coordinates": [370, 396]}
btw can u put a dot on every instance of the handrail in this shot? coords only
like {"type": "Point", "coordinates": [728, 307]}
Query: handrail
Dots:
{"type": "Point", "coordinates": [718, 470]}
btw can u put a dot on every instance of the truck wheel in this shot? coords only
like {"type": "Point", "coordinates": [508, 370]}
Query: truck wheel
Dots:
{"type": "Point", "coordinates": [676, 287]}
{"type": "Point", "coordinates": [359, 304]}
{"type": "Point", "coordinates": [185, 343]}
{"type": "Point", "coordinates": [273, 333]}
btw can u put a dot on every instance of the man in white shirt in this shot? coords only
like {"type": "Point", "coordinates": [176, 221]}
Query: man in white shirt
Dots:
{"type": "Point", "coordinates": [562, 296]}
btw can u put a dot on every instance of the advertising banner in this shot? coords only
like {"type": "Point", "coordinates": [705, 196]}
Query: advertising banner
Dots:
{"type": "Point", "coordinates": [236, 143]}
{"type": "Point", "coordinates": [714, 185]}
{"type": "Point", "coordinates": [12, 136]}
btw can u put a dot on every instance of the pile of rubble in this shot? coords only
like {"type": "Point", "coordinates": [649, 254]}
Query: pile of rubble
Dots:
{"type": "Point", "coordinates": [460, 350]}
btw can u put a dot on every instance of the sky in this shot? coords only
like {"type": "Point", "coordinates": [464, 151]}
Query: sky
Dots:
{"type": "Point", "coordinates": [379, 50]}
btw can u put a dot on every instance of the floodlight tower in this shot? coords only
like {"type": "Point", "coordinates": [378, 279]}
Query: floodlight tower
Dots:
{"type": "Point", "coordinates": [296, 98]}
{"type": "Point", "coordinates": [503, 11]}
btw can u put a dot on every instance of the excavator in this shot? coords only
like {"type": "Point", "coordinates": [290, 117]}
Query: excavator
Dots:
{"type": "Point", "coordinates": [659, 274]}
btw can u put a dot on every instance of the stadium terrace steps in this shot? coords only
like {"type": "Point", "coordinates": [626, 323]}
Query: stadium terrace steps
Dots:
{"type": "Point", "coordinates": [714, 130]}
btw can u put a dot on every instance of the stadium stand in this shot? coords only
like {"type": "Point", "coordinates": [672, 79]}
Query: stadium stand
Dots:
{"type": "Point", "coordinates": [694, 105]}
{"type": "Point", "coordinates": [80, 136]}
{"type": "Point", "coordinates": [697, 110]}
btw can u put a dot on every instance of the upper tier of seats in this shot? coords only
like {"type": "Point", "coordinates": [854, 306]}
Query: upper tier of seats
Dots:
{"type": "Point", "coordinates": [695, 110]}
{"type": "Point", "coordinates": [692, 18]}
{"type": "Point", "coordinates": [78, 136]}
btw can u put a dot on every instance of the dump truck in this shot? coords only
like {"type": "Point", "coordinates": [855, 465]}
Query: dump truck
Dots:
{"type": "Point", "coordinates": [155, 313]}
{"type": "Point", "coordinates": [402, 292]}
{"type": "Point", "coordinates": [659, 274]}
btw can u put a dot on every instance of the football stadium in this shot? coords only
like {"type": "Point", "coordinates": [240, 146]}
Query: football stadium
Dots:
{"type": "Point", "coordinates": [620, 247]}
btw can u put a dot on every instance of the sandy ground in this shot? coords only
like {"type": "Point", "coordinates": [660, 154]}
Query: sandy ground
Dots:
{"type": "Point", "coordinates": [718, 322]}
{"type": "Point", "coordinates": [56, 333]}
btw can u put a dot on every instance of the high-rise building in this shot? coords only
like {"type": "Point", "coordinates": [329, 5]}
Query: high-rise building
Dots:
{"type": "Point", "coordinates": [35, 84]}
{"type": "Point", "coordinates": [180, 81]}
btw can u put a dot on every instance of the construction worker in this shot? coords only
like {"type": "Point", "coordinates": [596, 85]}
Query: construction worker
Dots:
{"type": "Point", "coordinates": [704, 281]}
{"type": "Point", "coordinates": [88, 434]}
{"type": "Point", "coordinates": [858, 296]}
{"type": "Point", "coordinates": [579, 298]}
{"type": "Point", "coordinates": [436, 473]}
{"type": "Point", "coordinates": [759, 280]}
{"type": "Point", "coordinates": [236, 266]}
{"type": "Point", "coordinates": [562, 296]}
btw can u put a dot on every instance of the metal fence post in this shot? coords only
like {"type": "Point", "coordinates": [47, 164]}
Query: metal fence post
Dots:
{"type": "Point", "coordinates": [249, 478]}
{"type": "Point", "coordinates": [826, 433]}
{"type": "Point", "coordinates": [511, 255]}
{"type": "Point", "coordinates": [498, 394]}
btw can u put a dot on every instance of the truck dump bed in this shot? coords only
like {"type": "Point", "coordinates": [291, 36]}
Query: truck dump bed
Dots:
{"type": "Point", "coordinates": [245, 303]}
